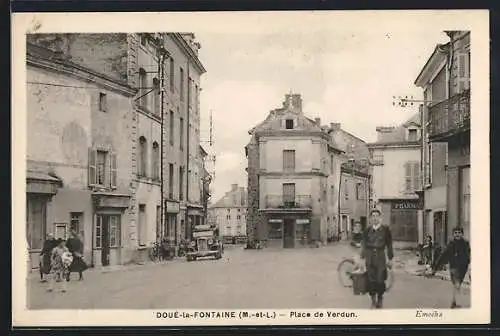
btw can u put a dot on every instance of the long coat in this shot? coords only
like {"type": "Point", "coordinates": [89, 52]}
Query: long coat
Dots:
{"type": "Point", "coordinates": [375, 242]}
{"type": "Point", "coordinates": [48, 246]}
{"type": "Point", "coordinates": [457, 255]}
{"type": "Point", "coordinates": [75, 246]}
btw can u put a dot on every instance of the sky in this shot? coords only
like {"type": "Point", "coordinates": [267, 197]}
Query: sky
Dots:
{"type": "Point", "coordinates": [344, 77]}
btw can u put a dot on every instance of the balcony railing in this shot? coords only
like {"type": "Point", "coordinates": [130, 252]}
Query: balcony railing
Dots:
{"type": "Point", "coordinates": [288, 202]}
{"type": "Point", "coordinates": [450, 116]}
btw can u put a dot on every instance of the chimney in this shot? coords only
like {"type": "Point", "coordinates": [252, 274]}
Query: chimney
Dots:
{"type": "Point", "coordinates": [234, 187]}
{"type": "Point", "coordinates": [318, 121]}
{"type": "Point", "coordinates": [334, 126]}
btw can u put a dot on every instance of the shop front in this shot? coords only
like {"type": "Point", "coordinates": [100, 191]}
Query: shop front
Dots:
{"type": "Point", "coordinates": [403, 220]}
{"type": "Point", "coordinates": [195, 216]}
{"type": "Point", "coordinates": [108, 228]}
{"type": "Point", "coordinates": [288, 230]}
{"type": "Point", "coordinates": [171, 229]}
{"type": "Point", "coordinates": [40, 190]}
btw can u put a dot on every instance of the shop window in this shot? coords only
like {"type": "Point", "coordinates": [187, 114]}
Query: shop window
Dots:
{"type": "Point", "coordinates": [114, 231]}
{"type": "Point", "coordinates": [275, 231]}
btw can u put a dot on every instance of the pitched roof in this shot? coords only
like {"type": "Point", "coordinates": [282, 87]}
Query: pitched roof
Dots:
{"type": "Point", "coordinates": [398, 134]}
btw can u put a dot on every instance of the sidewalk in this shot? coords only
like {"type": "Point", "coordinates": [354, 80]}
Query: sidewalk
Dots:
{"type": "Point", "coordinates": [407, 261]}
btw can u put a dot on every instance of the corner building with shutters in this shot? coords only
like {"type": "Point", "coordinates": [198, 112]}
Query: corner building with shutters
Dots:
{"type": "Point", "coordinates": [94, 142]}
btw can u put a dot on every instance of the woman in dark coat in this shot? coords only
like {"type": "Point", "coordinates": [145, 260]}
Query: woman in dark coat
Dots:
{"type": "Point", "coordinates": [44, 265]}
{"type": "Point", "coordinates": [75, 246]}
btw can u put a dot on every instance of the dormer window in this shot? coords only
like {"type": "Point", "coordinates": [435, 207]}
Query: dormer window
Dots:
{"type": "Point", "coordinates": [289, 124]}
{"type": "Point", "coordinates": [413, 134]}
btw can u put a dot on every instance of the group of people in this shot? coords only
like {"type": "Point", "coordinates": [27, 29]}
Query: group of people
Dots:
{"type": "Point", "coordinates": [59, 258]}
{"type": "Point", "coordinates": [376, 255]}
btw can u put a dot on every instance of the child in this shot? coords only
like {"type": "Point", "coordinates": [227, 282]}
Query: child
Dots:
{"type": "Point", "coordinates": [357, 237]}
{"type": "Point", "coordinates": [427, 251]}
{"type": "Point", "coordinates": [457, 255]}
{"type": "Point", "coordinates": [60, 260]}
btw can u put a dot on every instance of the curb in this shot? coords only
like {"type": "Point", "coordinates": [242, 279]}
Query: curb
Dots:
{"type": "Point", "coordinates": [441, 276]}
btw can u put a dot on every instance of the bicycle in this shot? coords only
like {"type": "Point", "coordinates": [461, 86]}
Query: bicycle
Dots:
{"type": "Point", "coordinates": [348, 266]}
{"type": "Point", "coordinates": [155, 252]}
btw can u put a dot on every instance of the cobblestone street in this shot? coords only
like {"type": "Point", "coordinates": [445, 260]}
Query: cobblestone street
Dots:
{"type": "Point", "coordinates": [251, 279]}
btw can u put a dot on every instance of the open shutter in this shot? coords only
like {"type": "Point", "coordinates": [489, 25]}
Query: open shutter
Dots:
{"type": "Point", "coordinates": [416, 176]}
{"type": "Point", "coordinates": [112, 170]}
{"type": "Point", "coordinates": [463, 71]}
{"type": "Point", "coordinates": [408, 179]}
{"type": "Point", "coordinates": [92, 167]}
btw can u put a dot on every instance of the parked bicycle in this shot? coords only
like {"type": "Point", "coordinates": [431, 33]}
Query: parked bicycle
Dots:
{"type": "Point", "coordinates": [155, 253]}
{"type": "Point", "coordinates": [348, 266]}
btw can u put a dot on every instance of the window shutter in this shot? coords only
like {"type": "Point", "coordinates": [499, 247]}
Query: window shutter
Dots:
{"type": "Point", "coordinates": [408, 177]}
{"type": "Point", "coordinates": [416, 176]}
{"type": "Point", "coordinates": [92, 167]}
{"type": "Point", "coordinates": [463, 72]}
{"type": "Point", "coordinates": [112, 170]}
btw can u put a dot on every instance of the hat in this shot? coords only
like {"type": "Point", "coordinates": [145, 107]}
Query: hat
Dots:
{"type": "Point", "coordinates": [375, 210]}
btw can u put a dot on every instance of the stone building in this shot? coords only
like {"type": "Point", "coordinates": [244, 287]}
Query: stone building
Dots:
{"type": "Point", "coordinates": [135, 61]}
{"type": "Point", "coordinates": [355, 181]}
{"type": "Point", "coordinates": [292, 166]}
{"type": "Point", "coordinates": [445, 79]}
{"type": "Point", "coordinates": [79, 155]}
{"type": "Point", "coordinates": [229, 214]}
{"type": "Point", "coordinates": [396, 169]}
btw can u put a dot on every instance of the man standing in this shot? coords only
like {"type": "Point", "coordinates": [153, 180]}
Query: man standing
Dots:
{"type": "Point", "coordinates": [376, 239]}
{"type": "Point", "coordinates": [44, 264]}
{"type": "Point", "coordinates": [457, 255]}
{"type": "Point", "coordinates": [75, 246]}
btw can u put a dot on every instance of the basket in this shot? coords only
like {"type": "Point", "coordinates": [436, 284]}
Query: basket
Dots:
{"type": "Point", "coordinates": [359, 283]}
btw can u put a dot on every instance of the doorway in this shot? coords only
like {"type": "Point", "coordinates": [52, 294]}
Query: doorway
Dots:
{"type": "Point", "coordinates": [289, 233]}
{"type": "Point", "coordinates": [107, 235]}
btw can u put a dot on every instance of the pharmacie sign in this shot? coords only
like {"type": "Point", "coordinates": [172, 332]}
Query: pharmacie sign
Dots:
{"type": "Point", "coordinates": [407, 205]}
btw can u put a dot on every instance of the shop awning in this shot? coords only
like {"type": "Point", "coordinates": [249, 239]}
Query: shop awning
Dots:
{"type": "Point", "coordinates": [41, 183]}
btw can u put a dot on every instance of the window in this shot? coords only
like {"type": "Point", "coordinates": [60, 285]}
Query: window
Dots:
{"type": "Point", "coordinates": [377, 157]}
{"type": "Point", "coordinates": [76, 222]}
{"type": "Point", "coordinates": [332, 165]}
{"type": "Point", "coordinates": [346, 190]}
{"type": "Point", "coordinates": [181, 183]}
{"type": "Point", "coordinates": [171, 128]}
{"type": "Point", "coordinates": [141, 231]}
{"type": "Point", "coordinates": [142, 157]}
{"type": "Point", "coordinates": [172, 75]}
{"type": "Point", "coordinates": [114, 231]}
{"type": "Point", "coordinates": [171, 180]}
{"type": "Point", "coordinates": [181, 133]}
{"type": "Point", "coordinates": [228, 217]}
{"type": "Point", "coordinates": [238, 217]}
{"type": "Point", "coordinates": [102, 168]}
{"type": "Point", "coordinates": [98, 232]}
{"type": "Point", "coordinates": [143, 84]}
{"type": "Point", "coordinates": [463, 71]}
{"type": "Point", "coordinates": [181, 83]}
{"type": "Point", "coordinates": [289, 160]}
{"type": "Point", "coordinates": [60, 231]}
{"type": "Point", "coordinates": [428, 164]}
{"type": "Point", "coordinates": [465, 197]}
{"type": "Point", "coordinates": [288, 193]}
{"type": "Point", "coordinates": [228, 210]}
{"type": "Point", "coordinates": [103, 102]}
{"type": "Point", "coordinates": [196, 98]}
{"type": "Point", "coordinates": [412, 176]}
{"type": "Point", "coordinates": [156, 96]}
{"type": "Point", "coordinates": [289, 124]}
{"type": "Point", "coordinates": [36, 221]}
{"type": "Point", "coordinates": [360, 191]}
{"type": "Point", "coordinates": [143, 39]}
{"type": "Point", "coordinates": [412, 135]}
{"type": "Point", "coordinates": [156, 161]}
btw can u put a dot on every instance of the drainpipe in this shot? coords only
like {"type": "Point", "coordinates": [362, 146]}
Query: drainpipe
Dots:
{"type": "Point", "coordinates": [186, 216]}
{"type": "Point", "coordinates": [338, 203]}
{"type": "Point", "coordinates": [161, 69]}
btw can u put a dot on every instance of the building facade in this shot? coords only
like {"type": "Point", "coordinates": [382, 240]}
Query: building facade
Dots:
{"type": "Point", "coordinates": [163, 149]}
{"type": "Point", "coordinates": [396, 169]}
{"type": "Point", "coordinates": [292, 166]}
{"type": "Point", "coordinates": [229, 214]}
{"type": "Point", "coordinates": [78, 155]}
{"type": "Point", "coordinates": [354, 181]}
{"type": "Point", "coordinates": [445, 79]}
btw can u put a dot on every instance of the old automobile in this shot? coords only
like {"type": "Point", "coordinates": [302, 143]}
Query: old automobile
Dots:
{"type": "Point", "coordinates": [205, 243]}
